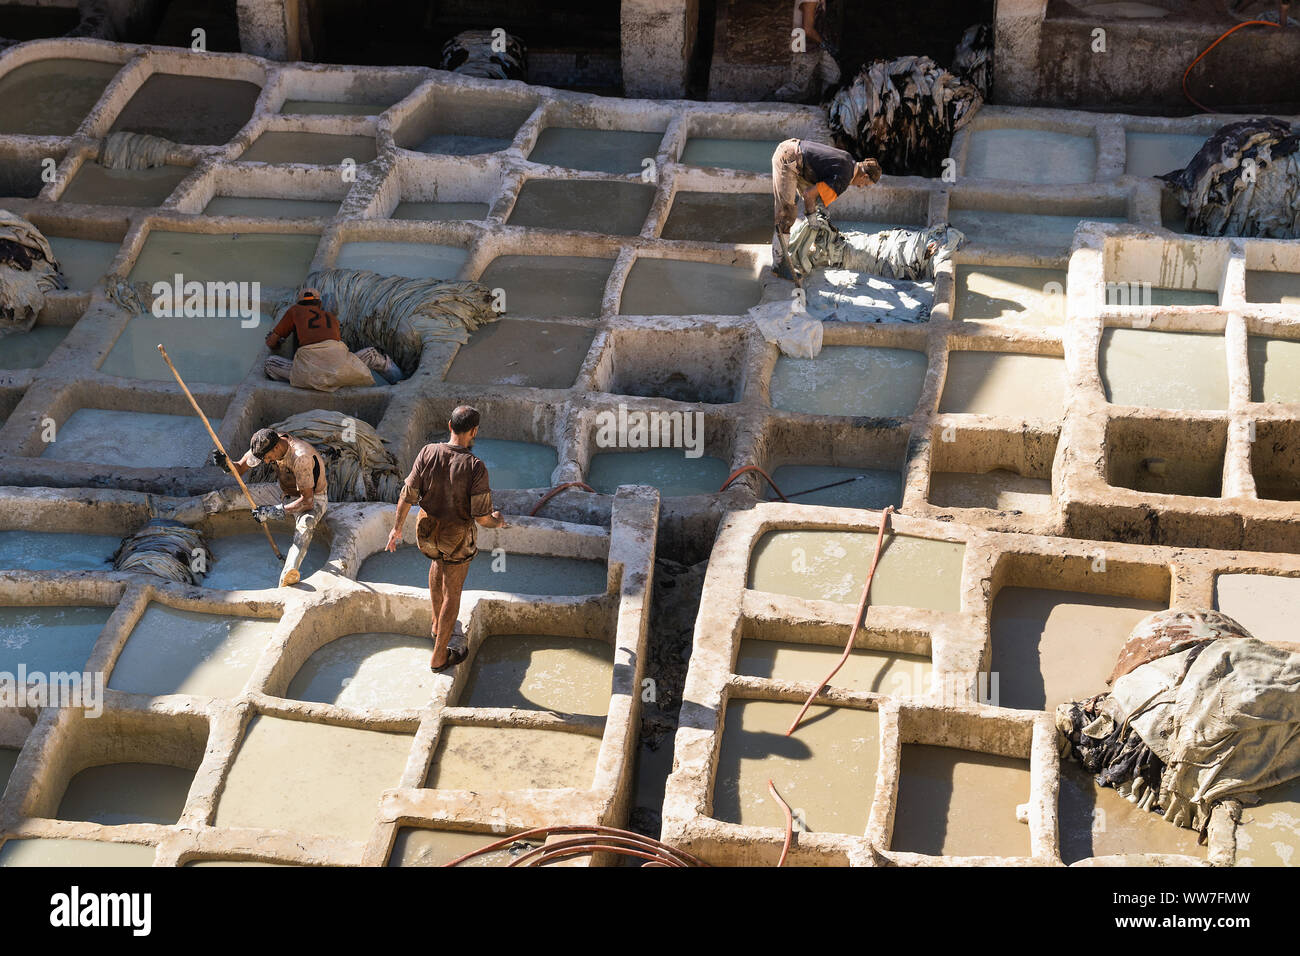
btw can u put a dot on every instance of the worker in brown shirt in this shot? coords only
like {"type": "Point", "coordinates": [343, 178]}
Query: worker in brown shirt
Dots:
{"type": "Point", "coordinates": [450, 484]}
{"type": "Point", "coordinates": [321, 360]}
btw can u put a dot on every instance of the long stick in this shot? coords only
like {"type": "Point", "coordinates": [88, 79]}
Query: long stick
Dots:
{"type": "Point", "coordinates": [217, 441]}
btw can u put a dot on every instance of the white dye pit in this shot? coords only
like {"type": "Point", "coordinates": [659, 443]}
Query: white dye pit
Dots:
{"type": "Point", "coordinates": [49, 638]}
{"type": "Point", "coordinates": [615, 209]}
{"type": "Point", "coordinates": [1181, 370]}
{"type": "Point", "coordinates": [1017, 230]}
{"type": "Point", "coordinates": [509, 571]}
{"type": "Point", "coordinates": [313, 778]}
{"type": "Point", "coordinates": [832, 566]}
{"type": "Point", "coordinates": [598, 150]}
{"type": "Point", "coordinates": [131, 439]}
{"type": "Point", "coordinates": [1278, 288]}
{"type": "Point", "coordinates": [245, 561]}
{"type": "Point", "coordinates": [314, 149]}
{"type": "Point", "coordinates": [867, 669]}
{"type": "Point", "coordinates": [96, 185]}
{"type": "Point", "coordinates": [999, 490]}
{"type": "Point", "coordinates": [850, 380]}
{"type": "Point", "coordinates": [275, 260]}
{"type": "Point", "coordinates": [271, 208]}
{"type": "Point", "coordinates": [51, 97]}
{"type": "Point", "coordinates": [68, 853]}
{"type": "Point", "coordinates": [1031, 156]}
{"type": "Point", "coordinates": [667, 469]}
{"type": "Point", "coordinates": [1001, 383]}
{"type": "Point", "coordinates": [219, 350]}
{"type": "Point", "coordinates": [415, 260]}
{"type": "Point", "coordinates": [171, 651]}
{"type": "Point", "coordinates": [511, 352]}
{"type": "Point", "coordinates": [365, 671]}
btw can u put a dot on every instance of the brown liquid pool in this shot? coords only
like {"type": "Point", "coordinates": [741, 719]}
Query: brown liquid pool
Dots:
{"type": "Point", "coordinates": [1010, 294]}
{"type": "Point", "coordinates": [1269, 832]}
{"type": "Point", "coordinates": [1053, 646]}
{"type": "Point", "coordinates": [368, 671]}
{"type": "Point", "coordinates": [51, 97]}
{"type": "Point", "coordinates": [999, 490]}
{"type": "Point", "coordinates": [317, 149]}
{"type": "Point", "coordinates": [960, 803]}
{"type": "Point", "coordinates": [600, 150]}
{"type": "Point", "coordinates": [512, 758]}
{"type": "Point", "coordinates": [678, 287]}
{"type": "Point", "coordinates": [1002, 383]}
{"type": "Point", "coordinates": [826, 771]}
{"type": "Point", "coordinates": [97, 185]}
{"type": "Point", "coordinates": [1097, 821]}
{"type": "Point", "coordinates": [567, 675]}
{"type": "Point", "coordinates": [744, 218]}
{"type": "Point", "coordinates": [189, 109]}
{"type": "Point", "coordinates": [42, 851]}
{"type": "Point", "coordinates": [1180, 370]}
{"type": "Point", "coordinates": [867, 669]}
{"type": "Point", "coordinates": [832, 566]}
{"type": "Point", "coordinates": [1267, 605]}
{"type": "Point", "coordinates": [419, 846]}
{"type": "Point", "coordinates": [1274, 369]}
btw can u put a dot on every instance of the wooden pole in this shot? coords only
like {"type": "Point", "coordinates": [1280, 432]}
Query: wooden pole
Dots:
{"type": "Point", "coordinates": [217, 441]}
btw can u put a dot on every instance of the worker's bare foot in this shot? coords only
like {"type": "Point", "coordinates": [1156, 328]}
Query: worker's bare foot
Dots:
{"type": "Point", "coordinates": [290, 577]}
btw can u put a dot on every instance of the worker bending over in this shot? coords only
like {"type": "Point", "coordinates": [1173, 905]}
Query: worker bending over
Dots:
{"type": "Point", "coordinates": [817, 173]}
{"type": "Point", "coordinates": [450, 484]}
{"type": "Point", "coordinates": [302, 493]}
{"type": "Point", "coordinates": [321, 360]}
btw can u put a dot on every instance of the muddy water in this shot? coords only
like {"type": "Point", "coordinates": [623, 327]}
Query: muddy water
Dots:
{"type": "Point", "coordinates": [1182, 370]}
{"type": "Point", "coordinates": [463, 127]}
{"type": "Point", "coordinates": [49, 637]}
{"type": "Point", "coordinates": [754, 155]}
{"type": "Point", "coordinates": [871, 488]}
{"type": "Point", "coordinates": [184, 652]}
{"type": "Point", "coordinates": [31, 349]}
{"type": "Point", "coordinates": [512, 758]}
{"type": "Point", "coordinates": [121, 793]}
{"type": "Point", "coordinates": [515, 464]}
{"type": "Point", "coordinates": [271, 208]}
{"type": "Point", "coordinates": [246, 562]}
{"type": "Point", "coordinates": [826, 771]}
{"type": "Point", "coordinates": [215, 349]}
{"type": "Point", "coordinates": [57, 551]}
{"type": "Point", "coordinates": [315, 778]}
{"type": "Point", "coordinates": [518, 573]}
{"type": "Point", "coordinates": [94, 184]}
{"type": "Point", "coordinates": [677, 287]}
{"type": "Point", "coordinates": [363, 671]}
{"type": "Point", "coordinates": [720, 217]}
{"type": "Point", "coordinates": [82, 261]}
{"type": "Point", "coordinates": [1161, 295]}
{"type": "Point", "coordinates": [999, 489]}
{"type": "Point", "coordinates": [1267, 605]}
{"type": "Point", "coordinates": [1274, 368]}
{"type": "Point", "coordinates": [441, 211]}
{"type": "Point", "coordinates": [1269, 832]}
{"type": "Point", "coordinates": [272, 259]}
{"type": "Point", "coordinates": [458, 144]}
{"type": "Point", "coordinates": [1010, 293]}
{"type": "Point", "coordinates": [8, 757]}
{"type": "Point", "coordinates": [850, 380]}
{"type": "Point", "coordinates": [832, 566]}
{"type": "Point", "coordinates": [567, 675]}
{"type": "Point", "coordinates": [1018, 230]}
{"type": "Point", "coordinates": [417, 846]}
{"type": "Point", "coordinates": [78, 853]}
{"type": "Point", "coordinates": [1151, 154]}
{"type": "Point", "coordinates": [867, 669]}
{"type": "Point", "coordinates": [960, 803]}
{"type": "Point", "coordinates": [415, 260]}
{"type": "Point", "coordinates": [600, 150]}
{"type": "Point", "coordinates": [1164, 370]}
{"type": "Point", "coordinates": [664, 468]}
{"type": "Point", "coordinates": [51, 97]}
{"type": "Point", "coordinates": [1002, 383]}
{"type": "Point", "coordinates": [131, 439]}
{"type": "Point", "coordinates": [511, 352]}
{"type": "Point", "coordinates": [1053, 646]}
{"type": "Point", "coordinates": [615, 209]}
{"type": "Point", "coordinates": [189, 109]}
{"type": "Point", "coordinates": [1282, 288]}
{"type": "Point", "coordinates": [1031, 156]}
{"type": "Point", "coordinates": [332, 108]}
{"type": "Point", "coordinates": [549, 285]}
{"type": "Point", "coordinates": [1097, 821]}
{"type": "Point", "coordinates": [317, 149]}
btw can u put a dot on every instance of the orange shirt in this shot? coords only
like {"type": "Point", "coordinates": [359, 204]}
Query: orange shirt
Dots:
{"type": "Point", "coordinates": [310, 323]}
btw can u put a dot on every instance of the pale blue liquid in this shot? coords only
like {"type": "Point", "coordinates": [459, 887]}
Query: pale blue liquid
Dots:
{"type": "Point", "coordinates": [667, 469]}
{"type": "Point", "coordinates": [246, 562]}
{"type": "Point", "coordinates": [31, 349]}
{"type": "Point", "coordinates": [874, 490]}
{"type": "Point", "coordinates": [49, 638]}
{"type": "Point", "coordinates": [271, 208]}
{"type": "Point", "coordinates": [520, 574]}
{"type": "Point", "coordinates": [57, 551]}
{"type": "Point", "coordinates": [411, 259]}
{"type": "Point", "coordinates": [131, 439]}
{"type": "Point", "coordinates": [216, 350]}
{"type": "Point", "coordinates": [83, 262]}
{"type": "Point", "coordinates": [600, 150]}
{"type": "Point", "coordinates": [850, 380]}
{"type": "Point", "coordinates": [751, 154]}
{"type": "Point", "coordinates": [516, 464]}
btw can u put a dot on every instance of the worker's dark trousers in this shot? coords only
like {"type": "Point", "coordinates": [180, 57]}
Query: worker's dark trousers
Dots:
{"type": "Point", "coordinates": [786, 163]}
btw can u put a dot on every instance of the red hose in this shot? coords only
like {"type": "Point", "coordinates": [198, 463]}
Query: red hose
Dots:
{"type": "Point", "coordinates": [857, 621]}
{"type": "Point", "coordinates": [789, 821]}
{"type": "Point", "coordinates": [1195, 102]}
{"type": "Point", "coordinates": [740, 471]}
{"type": "Point", "coordinates": [555, 491]}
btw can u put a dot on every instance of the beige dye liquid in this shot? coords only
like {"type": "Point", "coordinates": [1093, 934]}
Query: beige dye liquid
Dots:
{"type": "Point", "coordinates": [512, 758]}
{"type": "Point", "coordinates": [562, 674]}
{"type": "Point", "coordinates": [999, 490]}
{"type": "Point", "coordinates": [1097, 821]}
{"type": "Point", "coordinates": [867, 669]}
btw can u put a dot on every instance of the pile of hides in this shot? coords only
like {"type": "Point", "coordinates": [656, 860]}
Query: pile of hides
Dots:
{"type": "Point", "coordinates": [783, 323]}
{"type": "Point", "coordinates": [903, 113]}
{"type": "Point", "coordinates": [470, 53]}
{"type": "Point", "coordinates": [1199, 711]}
{"type": "Point", "coordinates": [400, 316]}
{"type": "Point", "coordinates": [125, 295]}
{"type": "Point", "coordinates": [973, 57]}
{"type": "Point", "coordinates": [166, 548]}
{"type": "Point", "coordinates": [357, 465]}
{"type": "Point", "coordinates": [28, 270]}
{"type": "Point", "coordinates": [134, 151]}
{"type": "Point", "coordinates": [1245, 181]}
